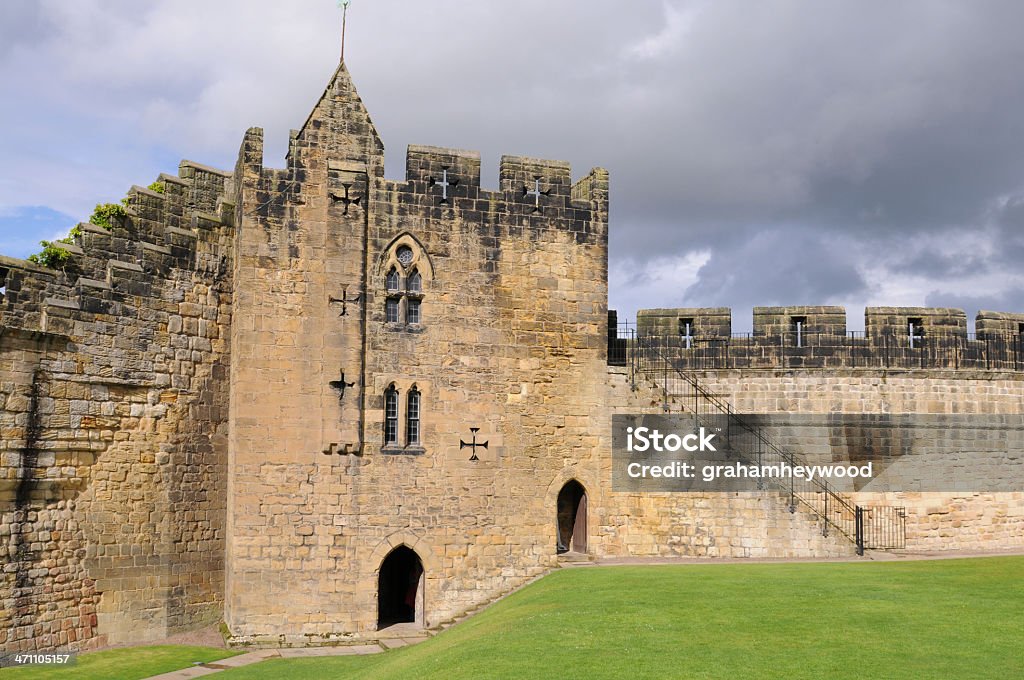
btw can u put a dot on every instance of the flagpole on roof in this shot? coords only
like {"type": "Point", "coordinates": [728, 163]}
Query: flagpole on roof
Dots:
{"type": "Point", "coordinates": [343, 4]}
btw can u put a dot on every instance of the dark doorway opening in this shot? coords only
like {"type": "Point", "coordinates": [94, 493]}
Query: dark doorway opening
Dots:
{"type": "Point", "coordinates": [400, 588]}
{"type": "Point", "coordinates": [572, 518]}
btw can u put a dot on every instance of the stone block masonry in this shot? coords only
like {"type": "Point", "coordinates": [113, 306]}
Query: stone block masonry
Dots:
{"type": "Point", "coordinates": [702, 323]}
{"type": "Point", "coordinates": [487, 308]}
{"type": "Point", "coordinates": [817, 337]}
{"type": "Point", "coordinates": [935, 521]}
{"type": "Point", "coordinates": [113, 381]}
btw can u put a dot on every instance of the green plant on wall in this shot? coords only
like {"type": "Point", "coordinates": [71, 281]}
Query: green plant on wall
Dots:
{"type": "Point", "coordinates": [53, 254]}
{"type": "Point", "coordinates": [158, 187]}
{"type": "Point", "coordinates": [105, 212]}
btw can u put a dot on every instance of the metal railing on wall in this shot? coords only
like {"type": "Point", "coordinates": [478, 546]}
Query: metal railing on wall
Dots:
{"type": "Point", "coordinates": [971, 351]}
{"type": "Point", "coordinates": [669, 365]}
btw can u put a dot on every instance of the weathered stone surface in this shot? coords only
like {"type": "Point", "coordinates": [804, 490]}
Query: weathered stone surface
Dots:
{"type": "Point", "coordinates": [112, 514]}
{"type": "Point", "coordinates": [510, 338]}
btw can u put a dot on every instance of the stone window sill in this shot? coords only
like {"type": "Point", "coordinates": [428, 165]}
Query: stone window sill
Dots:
{"type": "Point", "coordinates": [394, 450]}
{"type": "Point", "coordinates": [398, 327]}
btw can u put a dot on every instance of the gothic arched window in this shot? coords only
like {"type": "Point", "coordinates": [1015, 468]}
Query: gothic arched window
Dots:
{"type": "Point", "coordinates": [414, 282]}
{"type": "Point", "coordinates": [392, 281]}
{"type": "Point", "coordinates": [390, 415]}
{"type": "Point", "coordinates": [408, 272]}
{"type": "Point", "coordinates": [412, 418]}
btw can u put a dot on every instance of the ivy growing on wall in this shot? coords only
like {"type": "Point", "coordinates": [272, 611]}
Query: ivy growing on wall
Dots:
{"type": "Point", "coordinates": [55, 256]}
{"type": "Point", "coordinates": [104, 212]}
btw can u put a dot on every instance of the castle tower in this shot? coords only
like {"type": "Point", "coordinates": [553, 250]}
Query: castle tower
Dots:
{"type": "Point", "coordinates": [378, 325]}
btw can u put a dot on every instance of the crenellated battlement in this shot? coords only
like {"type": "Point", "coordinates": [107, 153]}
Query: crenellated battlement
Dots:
{"type": "Point", "coordinates": [120, 355]}
{"type": "Point", "coordinates": [124, 269]}
{"type": "Point", "coordinates": [426, 164]}
{"type": "Point", "coordinates": [817, 337]}
{"type": "Point", "coordinates": [443, 183]}
{"type": "Point", "coordinates": [450, 178]}
{"type": "Point", "coordinates": [335, 161]}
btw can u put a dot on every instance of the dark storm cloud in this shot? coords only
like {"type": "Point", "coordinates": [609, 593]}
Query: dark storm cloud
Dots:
{"type": "Point", "coordinates": [803, 151]}
{"type": "Point", "coordinates": [1009, 221]}
{"type": "Point", "coordinates": [974, 303]}
{"type": "Point", "coordinates": [776, 267]}
{"type": "Point", "coordinates": [928, 259]}
{"type": "Point", "coordinates": [903, 118]}
{"type": "Point", "coordinates": [815, 124]}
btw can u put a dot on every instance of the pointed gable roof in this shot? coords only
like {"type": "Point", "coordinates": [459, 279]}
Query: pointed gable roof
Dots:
{"type": "Point", "coordinates": [340, 124]}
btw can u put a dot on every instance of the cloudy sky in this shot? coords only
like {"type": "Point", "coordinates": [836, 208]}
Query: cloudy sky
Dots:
{"type": "Point", "coordinates": [760, 153]}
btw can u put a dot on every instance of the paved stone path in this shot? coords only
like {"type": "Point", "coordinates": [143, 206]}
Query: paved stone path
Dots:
{"type": "Point", "coordinates": [250, 658]}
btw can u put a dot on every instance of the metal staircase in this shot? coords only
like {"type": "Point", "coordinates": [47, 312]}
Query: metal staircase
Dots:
{"type": "Point", "coordinates": [661, 361]}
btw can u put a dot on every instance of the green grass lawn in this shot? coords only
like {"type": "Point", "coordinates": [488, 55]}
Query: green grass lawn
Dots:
{"type": "Point", "coordinates": [129, 663]}
{"type": "Point", "coordinates": [936, 619]}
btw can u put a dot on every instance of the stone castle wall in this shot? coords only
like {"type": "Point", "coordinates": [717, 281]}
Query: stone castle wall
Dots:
{"type": "Point", "coordinates": [817, 337]}
{"type": "Point", "coordinates": [690, 524]}
{"type": "Point", "coordinates": [935, 521]}
{"type": "Point", "coordinates": [112, 460]}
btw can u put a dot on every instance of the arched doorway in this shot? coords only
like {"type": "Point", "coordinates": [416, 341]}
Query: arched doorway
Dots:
{"type": "Point", "coordinates": [400, 588]}
{"type": "Point", "coordinates": [572, 518]}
